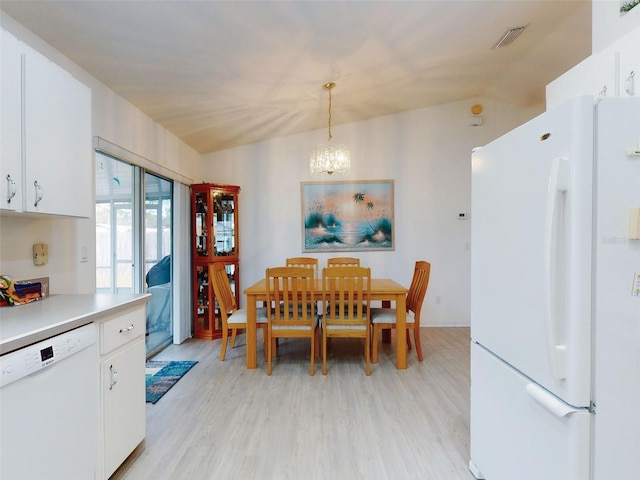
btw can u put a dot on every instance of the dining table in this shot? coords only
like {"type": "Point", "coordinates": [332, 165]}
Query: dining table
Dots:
{"type": "Point", "coordinates": [382, 289]}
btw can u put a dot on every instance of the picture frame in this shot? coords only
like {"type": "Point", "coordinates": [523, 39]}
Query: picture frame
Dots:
{"type": "Point", "coordinates": [347, 216]}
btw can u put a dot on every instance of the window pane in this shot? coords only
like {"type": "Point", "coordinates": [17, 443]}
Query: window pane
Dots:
{"type": "Point", "coordinates": [114, 224]}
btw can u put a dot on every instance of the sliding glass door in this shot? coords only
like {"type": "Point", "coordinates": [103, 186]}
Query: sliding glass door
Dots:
{"type": "Point", "coordinates": [157, 259]}
{"type": "Point", "coordinates": [134, 222]}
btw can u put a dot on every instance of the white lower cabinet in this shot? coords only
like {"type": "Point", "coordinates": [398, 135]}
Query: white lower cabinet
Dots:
{"type": "Point", "coordinates": [122, 389]}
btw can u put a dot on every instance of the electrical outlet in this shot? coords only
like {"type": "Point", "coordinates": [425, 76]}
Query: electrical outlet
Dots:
{"type": "Point", "coordinates": [40, 254]}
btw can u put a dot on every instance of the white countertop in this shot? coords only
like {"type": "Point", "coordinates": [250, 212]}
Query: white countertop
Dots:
{"type": "Point", "coordinates": [26, 324]}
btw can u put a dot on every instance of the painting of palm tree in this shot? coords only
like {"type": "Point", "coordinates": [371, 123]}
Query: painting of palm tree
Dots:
{"type": "Point", "coordinates": [347, 216]}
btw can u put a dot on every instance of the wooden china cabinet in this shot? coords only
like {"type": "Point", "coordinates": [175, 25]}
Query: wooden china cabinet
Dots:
{"type": "Point", "coordinates": [215, 239]}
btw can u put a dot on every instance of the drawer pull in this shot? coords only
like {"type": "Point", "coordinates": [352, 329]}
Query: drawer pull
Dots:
{"type": "Point", "coordinates": [128, 329]}
{"type": "Point", "coordinates": [114, 376]}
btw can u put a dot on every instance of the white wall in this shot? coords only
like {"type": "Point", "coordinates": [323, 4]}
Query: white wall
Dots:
{"type": "Point", "coordinates": [116, 121]}
{"type": "Point", "coordinates": [608, 24]}
{"type": "Point", "coordinates": [610, 68]}
{"type": "Point", "coordinates": [426, 152]}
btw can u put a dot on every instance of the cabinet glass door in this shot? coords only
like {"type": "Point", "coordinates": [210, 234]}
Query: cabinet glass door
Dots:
{"type": "Point", "coordinates": [224, 227]}
{"type": "Point", "coordinates": [202, 324]}
{"type": "Point", "coordinates": [201, 228]}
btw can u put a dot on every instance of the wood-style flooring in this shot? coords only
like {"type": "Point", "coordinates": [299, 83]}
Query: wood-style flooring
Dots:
{"type": "Point", "coordinates": [222, 421]}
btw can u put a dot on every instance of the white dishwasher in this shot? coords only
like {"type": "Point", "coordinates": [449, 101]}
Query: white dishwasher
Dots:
{"type": "Point", "coordinates": [49, 408]}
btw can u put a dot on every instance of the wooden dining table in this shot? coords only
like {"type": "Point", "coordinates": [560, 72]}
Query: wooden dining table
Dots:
{"type": "Point", "coordinates": [383, 289]}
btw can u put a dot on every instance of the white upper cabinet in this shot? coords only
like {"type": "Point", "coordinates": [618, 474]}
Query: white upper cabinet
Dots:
{"type": "Point", "coordinates": [10, 129]}
{"type": "Point", "coordinates": [54, 132]}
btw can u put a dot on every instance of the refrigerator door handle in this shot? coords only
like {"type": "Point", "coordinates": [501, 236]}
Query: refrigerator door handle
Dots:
{"type": "Point", "coordinates": [559, 179]}
{"type": "Point", "coordinates": [549, 402]}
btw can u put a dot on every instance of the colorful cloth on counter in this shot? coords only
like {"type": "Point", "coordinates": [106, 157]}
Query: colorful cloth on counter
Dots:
{"type": "Point", "coordinates": [18, 294]}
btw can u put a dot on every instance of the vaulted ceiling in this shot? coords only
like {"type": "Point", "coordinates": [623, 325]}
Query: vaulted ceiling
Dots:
{"type": "Point", "coordinates": [224, 73]}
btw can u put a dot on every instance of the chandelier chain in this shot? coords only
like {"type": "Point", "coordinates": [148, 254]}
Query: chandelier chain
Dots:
{"type": "Point", "coordinates": [330, 87]}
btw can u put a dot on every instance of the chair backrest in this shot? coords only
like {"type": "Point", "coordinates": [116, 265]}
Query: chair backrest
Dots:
{"type": "Point", "coordinates": [338, 261]}
{"type": "Point", "coordinates": [307, 262]}
{"type": "Point", "coordinates": [222, 288]}
{"type": "Point", "coordinates": [290, 292]}
{"type": "Point", "coordinates": [418, 288]}
{"type": "Point", "coordinates": [347, 290]}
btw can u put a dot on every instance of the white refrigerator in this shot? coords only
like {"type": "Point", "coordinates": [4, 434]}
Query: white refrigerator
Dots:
{"type": "Point", "coordinates": [555, 296]}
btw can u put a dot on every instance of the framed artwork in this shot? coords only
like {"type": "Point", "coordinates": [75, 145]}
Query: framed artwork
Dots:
{"type": "Point", "coordinates": [347, 216]}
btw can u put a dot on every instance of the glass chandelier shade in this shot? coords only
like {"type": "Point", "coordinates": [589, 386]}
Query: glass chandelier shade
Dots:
{"type": "Point", "coordinates": [329, 159]}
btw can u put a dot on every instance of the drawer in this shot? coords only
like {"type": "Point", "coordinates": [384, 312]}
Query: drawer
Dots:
{"type": "Point", "coordinates": [122, 328]}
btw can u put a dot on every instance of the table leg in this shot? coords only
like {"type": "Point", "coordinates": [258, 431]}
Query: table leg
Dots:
{"type": "Point", "coordinates": [401, 332]}
{"type": "Point", "coordinates": [251, 340]}
{"type": "Point", "coordinates": [386, 332]}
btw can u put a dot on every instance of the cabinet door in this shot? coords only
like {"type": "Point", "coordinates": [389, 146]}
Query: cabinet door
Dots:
{"type": "Point", "coordinates": [123, 404]}
{"type": "Point", "coordinates": [11, 131]}
{"type": "Point", "coordinates": [58, 156]}
{"type": "Point", "coordinates": [224, 221]}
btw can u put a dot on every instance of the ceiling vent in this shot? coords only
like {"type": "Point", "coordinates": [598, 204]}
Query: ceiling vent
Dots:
{"type": "Point", "coordinates": [509, 36]}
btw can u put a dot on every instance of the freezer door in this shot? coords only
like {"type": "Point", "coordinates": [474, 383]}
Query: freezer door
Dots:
{"type": "Point", "coordinates": [521, 431]}
{"type": "Point", "coordinates": [531, 227]}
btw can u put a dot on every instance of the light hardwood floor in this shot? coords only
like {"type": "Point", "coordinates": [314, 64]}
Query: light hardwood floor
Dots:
{"type": "Point", "coordinates": [222, 421]}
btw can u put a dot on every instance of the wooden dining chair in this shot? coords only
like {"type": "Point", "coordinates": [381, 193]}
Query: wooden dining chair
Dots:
{"type": "Point", "coordinates": [346, 294]}
{"type": "Point", "coordinates": [342, 261]}
{"type": "Point", "coordinates": [233, 318]}
{"type": "Point", "coordinates": [292, 311]}
{"type": "Point", "coordinates": [385, 318]}
{"type": "Point", "coordinates": [307, 262]}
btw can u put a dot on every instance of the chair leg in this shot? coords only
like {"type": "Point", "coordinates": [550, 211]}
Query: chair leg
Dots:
{"type": "Point", "coordinates": [269, 342]}
{"type": "Point", "coordinates": [318, 340]}
{"type": "Point", "coordinates": [234, 331]}
{"type": "Point", "coordinates": [374, 342]}
{"type": "Point", "coordinates": [324, 352]}
{"type": "Point", "coordinates": [367, 354]}
{"type": "Point", "coordinates": [313, 354]}
{"type": "Point", "coordinates": [416, 335]}
{"type": "Point", "coordinates": [408, 339]}
{"type": "Point", "coordinates": [264, 342]}
{"type": "Point", "coordinates": [223, 347]}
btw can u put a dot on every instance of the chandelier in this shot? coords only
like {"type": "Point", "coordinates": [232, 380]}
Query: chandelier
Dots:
{"type": "Point", "coordinates": [327, 158]}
